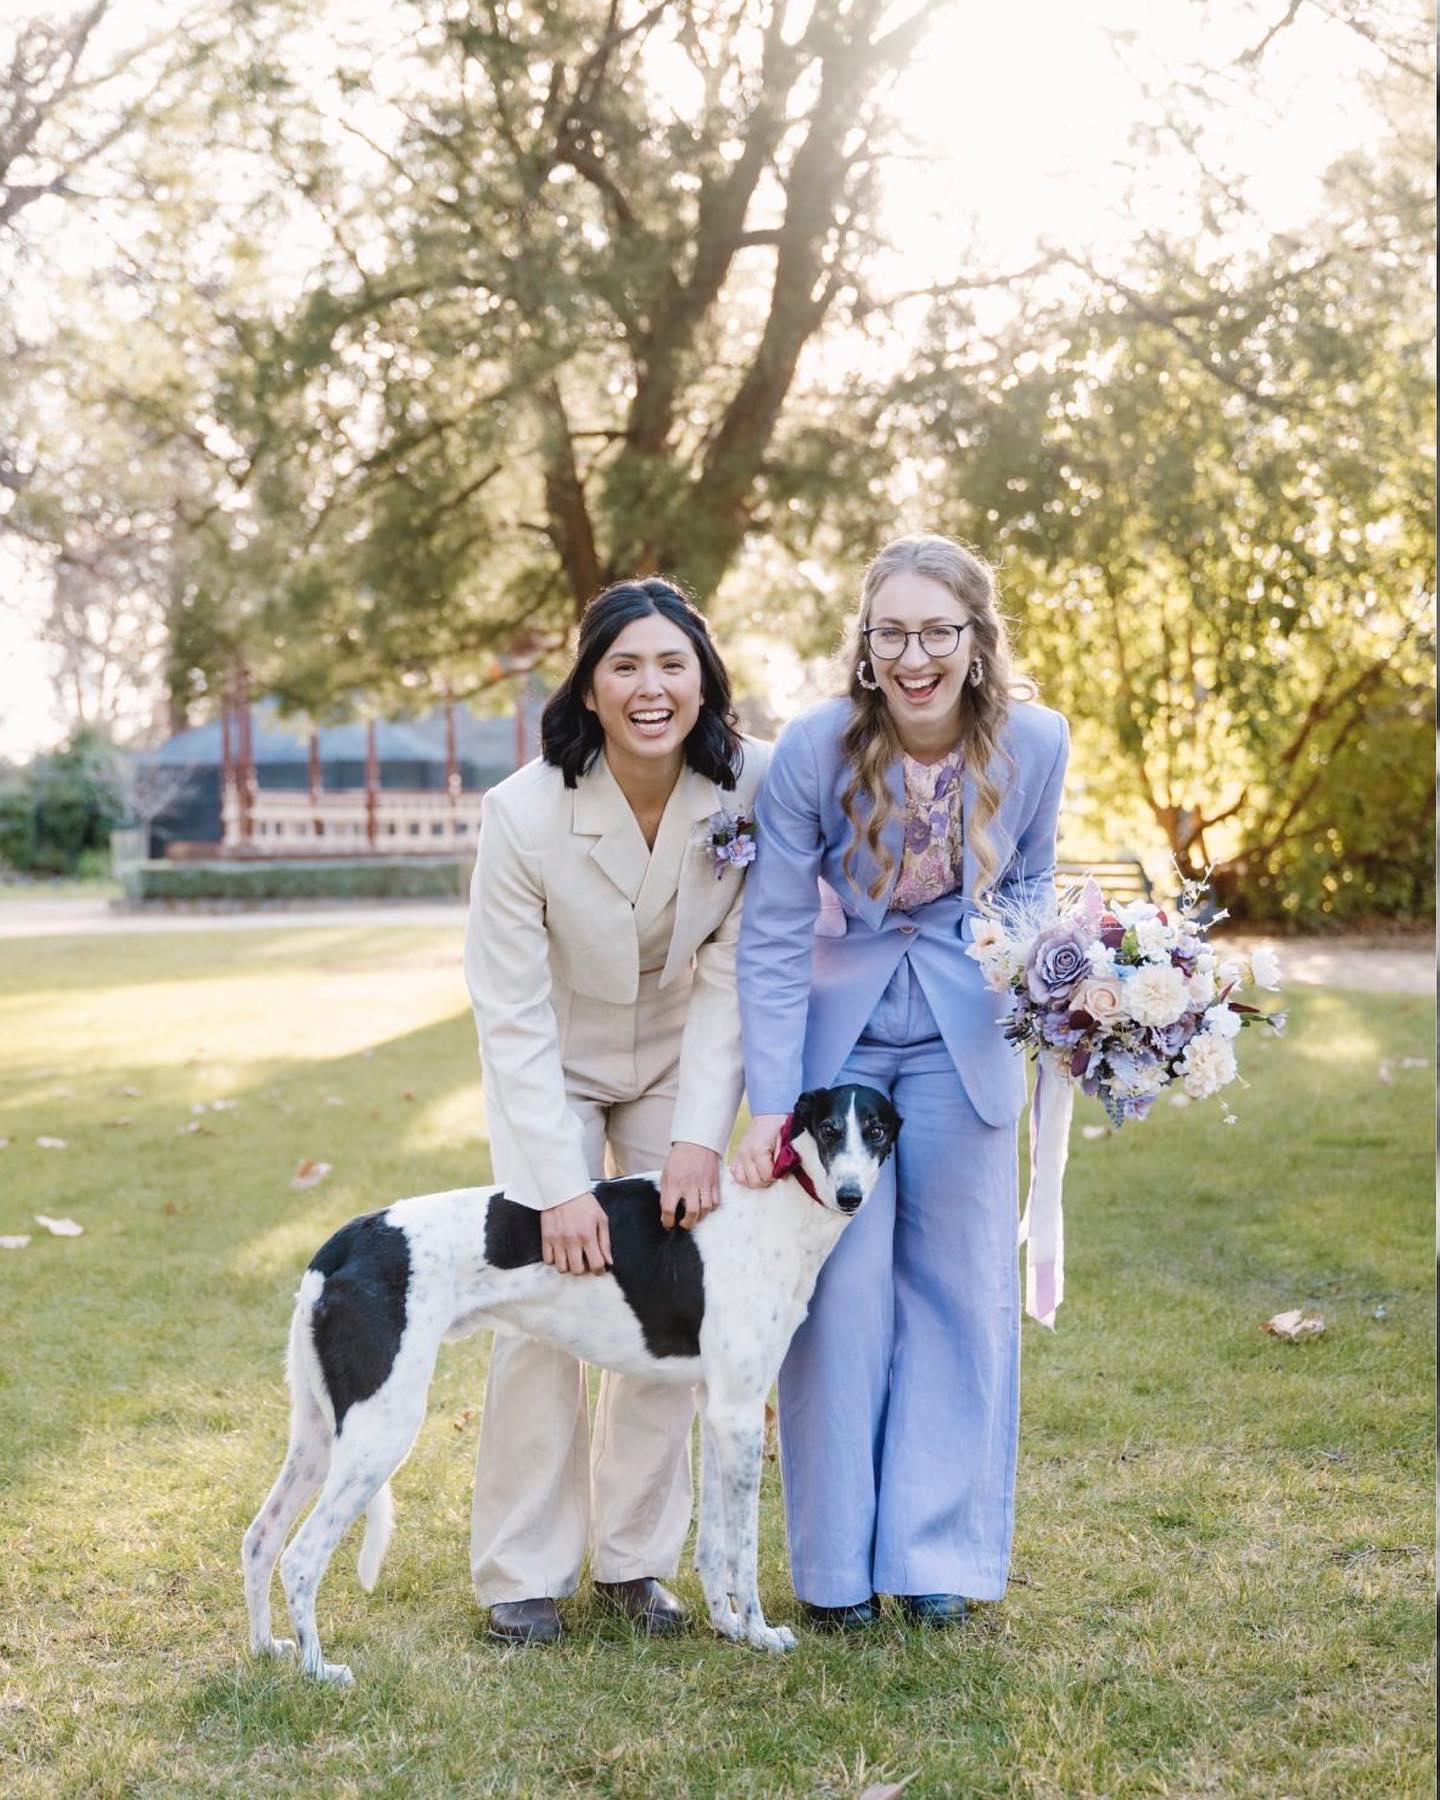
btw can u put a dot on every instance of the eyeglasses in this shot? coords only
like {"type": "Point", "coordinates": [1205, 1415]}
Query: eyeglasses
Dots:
{"type": "Point", "coordinates": [888, 641]}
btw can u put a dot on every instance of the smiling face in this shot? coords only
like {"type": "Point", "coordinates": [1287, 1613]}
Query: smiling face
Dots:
{"type": "Point", "coordinates": [921, 689]}
{"type": "Point", "coordinates": [646, 692]}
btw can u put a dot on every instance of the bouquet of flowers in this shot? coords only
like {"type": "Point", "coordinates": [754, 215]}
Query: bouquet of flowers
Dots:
{"type": "Point", "coordinates": [1125, 1000]}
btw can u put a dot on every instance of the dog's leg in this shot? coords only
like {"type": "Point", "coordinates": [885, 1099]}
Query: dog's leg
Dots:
{"type": "Point", "coordinates": [712, 1553]}
{"type": "Point", "coordinates": [306, 1460]}
{"type": "Point", "coordinates": [737, 1431]}
{"type": "Point", "coordinates": [375, 1440]}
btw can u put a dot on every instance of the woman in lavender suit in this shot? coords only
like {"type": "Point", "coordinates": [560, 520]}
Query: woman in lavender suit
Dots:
{"type": "Point", "coordinates": [888, 818]}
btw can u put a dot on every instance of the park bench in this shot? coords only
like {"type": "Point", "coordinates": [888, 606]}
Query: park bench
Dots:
{"type": "Point", "coordinates": [1121, 878]}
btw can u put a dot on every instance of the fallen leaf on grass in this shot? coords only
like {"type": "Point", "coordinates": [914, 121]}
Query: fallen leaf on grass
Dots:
{"type": "Point", "coordinates": [409, 1094]}
{"type": "Point", "coordinates": [59, 1227]}
{"type": "Point", "coordinates": [463, 1417]}
{"type": "Point", "coordinates": [310, 1173]}
{"type": "Point", "coordinates": [886, 1790]}
{"type": "Point", "coordinates": [772, 1434]}
{"type": "Point", "coordinates": [1384, 1074]}
{"type": "Point", "coordinates": [194, 1125]}
{"type": "Point", "coordinates": [1294, 1325]}
{"type": "Point", "coordinates": [14, 1243]}
{"type": "Point", "coordinates": [170, 1210]}
{"type": "Point", "coordinates": [49, 1143]}
{"type": "Point", "coordinates": [1094, 1131]}
{"type": "Point", "coordinates": [128, 1092]}
{"type": "Point", "coordinates": [120, 1123]}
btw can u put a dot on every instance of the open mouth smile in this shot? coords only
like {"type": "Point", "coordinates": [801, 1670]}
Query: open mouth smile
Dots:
{"type": "Point", "coordinates": [918, 688]}
{"type": "Point", "coordinates": [653, 722]}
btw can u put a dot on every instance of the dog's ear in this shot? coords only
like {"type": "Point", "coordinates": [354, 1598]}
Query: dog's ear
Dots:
{"type": "Point", "coordinates": [893, 1119]}
{"type": "Point", "coordinates": [806, 1108]}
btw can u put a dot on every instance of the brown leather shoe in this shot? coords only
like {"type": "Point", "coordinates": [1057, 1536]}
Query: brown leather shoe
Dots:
{"type": "Point", "coordinates": [525, 1621]}
{"type": "Point", "coordinates": [645, 1603]}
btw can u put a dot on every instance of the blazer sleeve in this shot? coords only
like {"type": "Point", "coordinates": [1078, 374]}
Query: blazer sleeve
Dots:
{"type": "Point", "coordinates": [778, 924]}
{"type": "Point", "coordinates": [1029, 881]}
{"type": "Point", "coordinates": [711, 1074]}
{"type": "Point", "coordinates": [507, 969]}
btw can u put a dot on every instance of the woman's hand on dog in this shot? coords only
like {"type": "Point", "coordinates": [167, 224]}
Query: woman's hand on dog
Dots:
{"type": "Point", "coordinates": [754, 1164]}
{"type": "Point", "coordinates": [691, 1174]}
{"type": "Point", "coordinates": [575, 1236]}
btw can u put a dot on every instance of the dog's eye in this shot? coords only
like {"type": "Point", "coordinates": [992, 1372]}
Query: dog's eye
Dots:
{"type": "Point", "coordinates": [829, 1131]}
{"type": "Point", "coordinates": [875, 1131]}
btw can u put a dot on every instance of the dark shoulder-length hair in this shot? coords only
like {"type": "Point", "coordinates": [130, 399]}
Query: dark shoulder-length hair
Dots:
{"type": "Point", "coordinates": [571, 736]}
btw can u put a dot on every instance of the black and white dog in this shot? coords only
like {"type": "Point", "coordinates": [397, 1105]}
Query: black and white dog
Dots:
{"type": "Point", "coordinates": [715, 1307]}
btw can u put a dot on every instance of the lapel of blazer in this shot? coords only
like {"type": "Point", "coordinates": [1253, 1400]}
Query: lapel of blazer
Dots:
{"type": "Point", "coordinates": [696, 880]}
{"type": "Point", "coordinates": [1002, 832]}
{"type": "Point", "coordinates": [678, 859]}
{"type": "Point", "coordinates": [873, 911]}
{"type": "Point", "coordinates": [602, 812]}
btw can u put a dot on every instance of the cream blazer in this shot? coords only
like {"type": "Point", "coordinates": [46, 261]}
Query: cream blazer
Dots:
{"type": "Point", "coordinates": [563, 888]}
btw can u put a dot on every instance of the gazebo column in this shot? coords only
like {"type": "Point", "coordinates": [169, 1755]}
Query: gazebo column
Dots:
{"type": "Point", "coordinates": [372, 783]}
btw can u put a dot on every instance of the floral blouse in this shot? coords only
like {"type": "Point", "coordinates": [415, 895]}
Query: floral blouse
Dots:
{"type": "Point", "coordinates": [934, 831]}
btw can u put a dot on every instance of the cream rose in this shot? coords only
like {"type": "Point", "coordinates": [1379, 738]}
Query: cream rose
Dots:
{"type": "Point", "coordinates": [1103, 997]}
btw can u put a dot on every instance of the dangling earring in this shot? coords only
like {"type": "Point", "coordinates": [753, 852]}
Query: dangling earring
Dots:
{"type": "Point", "coordinates": [977, 672]}
{"type": "Point", "coordinates": [866, 679]}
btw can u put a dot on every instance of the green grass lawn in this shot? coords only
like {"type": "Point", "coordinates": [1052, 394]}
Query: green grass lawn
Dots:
{"type": "Point", "coordinates": [1224, 1576]}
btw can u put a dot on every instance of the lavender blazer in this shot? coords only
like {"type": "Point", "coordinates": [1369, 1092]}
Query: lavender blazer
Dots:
{"type": "Point", "coordinates": [810, 975]}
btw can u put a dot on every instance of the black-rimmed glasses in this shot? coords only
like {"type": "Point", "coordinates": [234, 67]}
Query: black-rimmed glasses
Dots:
{"type": "Point", "coordinates": [887, 642]}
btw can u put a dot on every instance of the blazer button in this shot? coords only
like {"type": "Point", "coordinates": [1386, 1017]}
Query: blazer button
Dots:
{"type": "Point", "coordinates": [907, 931]}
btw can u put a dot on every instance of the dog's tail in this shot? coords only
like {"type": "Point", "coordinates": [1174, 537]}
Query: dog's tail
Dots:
{"type": "Point", "coordinates": [379, 1523]}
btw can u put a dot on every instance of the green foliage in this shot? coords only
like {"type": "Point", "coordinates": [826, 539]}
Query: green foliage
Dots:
{"type": "Point", "coordinates": [1213, 495]}
{"type": "Point", "coordinates": [17, 829]}
{"type": "Point", "coordinates": [57, 818]}
{"type": "Point", "coordinates": [393, 878]}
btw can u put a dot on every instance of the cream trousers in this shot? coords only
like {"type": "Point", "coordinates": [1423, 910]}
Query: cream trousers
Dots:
{"type": "Point", "coordinates": [542, 1490]}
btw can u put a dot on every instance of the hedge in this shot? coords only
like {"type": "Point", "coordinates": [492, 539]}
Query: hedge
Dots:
{"type": "Point", "coordinates": [380, 878]}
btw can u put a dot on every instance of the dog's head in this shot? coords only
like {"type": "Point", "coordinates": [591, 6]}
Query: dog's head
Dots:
{"type": "Point", "coordinates": [842, 1136]}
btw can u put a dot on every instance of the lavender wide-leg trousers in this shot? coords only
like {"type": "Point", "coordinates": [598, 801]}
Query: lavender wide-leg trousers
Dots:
{"type": "Point", "coordinates": [899, 1398]}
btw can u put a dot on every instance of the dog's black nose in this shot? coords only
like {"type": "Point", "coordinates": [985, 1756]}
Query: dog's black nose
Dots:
{"type": "Point", "coordinates": [848, 1199]}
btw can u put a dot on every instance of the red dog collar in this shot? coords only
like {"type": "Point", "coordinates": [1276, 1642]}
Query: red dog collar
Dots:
{"type": "Point", "coordinates": [787, 1161]}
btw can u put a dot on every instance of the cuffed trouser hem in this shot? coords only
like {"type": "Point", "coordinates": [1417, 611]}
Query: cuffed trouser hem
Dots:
{"type": "Point", "coordinates": [503, 1593]}
{"type": "Point", "coordinates": [824, 1590]}
{"type": "Point", "coordinates": [972, 1582]}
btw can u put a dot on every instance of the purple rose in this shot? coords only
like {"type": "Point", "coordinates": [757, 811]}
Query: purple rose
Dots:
{"type": "Point", "coordinates": [1059, 961]}
{"type": "Point", "coordinates": [741, 851]}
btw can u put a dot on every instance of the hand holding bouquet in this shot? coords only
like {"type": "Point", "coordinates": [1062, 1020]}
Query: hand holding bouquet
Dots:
{"type": "Point", "coordinates": [1125, 1000]}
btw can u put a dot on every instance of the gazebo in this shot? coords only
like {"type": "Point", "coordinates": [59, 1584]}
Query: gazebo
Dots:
{"type": "Point", "coordinates": [250, 785]}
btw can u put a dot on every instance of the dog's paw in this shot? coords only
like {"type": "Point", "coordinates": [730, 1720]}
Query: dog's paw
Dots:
{"type": "Point", "coordinates": [776, 1638]}
{"type": "Point", "coordinates": [726, 1621]}
{"type": "Point", "coordinates": [277, 1647]}
{"type": "Point", "coordinates": [337, 1675]}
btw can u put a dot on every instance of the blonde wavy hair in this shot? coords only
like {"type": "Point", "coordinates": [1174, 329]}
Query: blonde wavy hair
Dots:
{"type": "Point", "coordinates": [871, 742]}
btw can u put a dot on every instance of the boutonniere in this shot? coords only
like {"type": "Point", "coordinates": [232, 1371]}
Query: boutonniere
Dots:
{"type": "Point", "coordinates": [730, 840]}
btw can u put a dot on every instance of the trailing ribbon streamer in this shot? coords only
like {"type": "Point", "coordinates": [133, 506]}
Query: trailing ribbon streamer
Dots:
{"type": "Point", "coordinates": [1042, 1229]}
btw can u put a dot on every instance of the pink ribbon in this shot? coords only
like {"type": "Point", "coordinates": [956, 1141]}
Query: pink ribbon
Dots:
{"type": "Point", "coordinates": [1042, 1229]}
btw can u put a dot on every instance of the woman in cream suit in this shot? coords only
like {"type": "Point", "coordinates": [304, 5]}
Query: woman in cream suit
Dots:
{"type": "Point", "coordinates": [600, 958]}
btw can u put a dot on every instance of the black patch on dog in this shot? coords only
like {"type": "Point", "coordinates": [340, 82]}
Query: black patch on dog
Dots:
{"type": "Point", "coordinates": [659, 1271]}
{"type": "Point", "coordinates": [359, 1318]}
